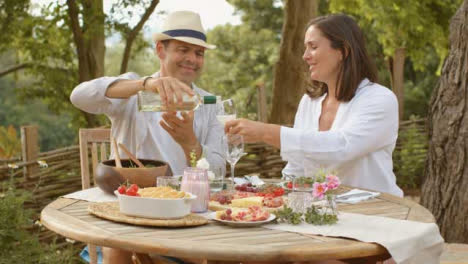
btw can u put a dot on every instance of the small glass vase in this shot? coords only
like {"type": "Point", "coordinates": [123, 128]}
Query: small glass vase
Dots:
{"type": "Point", "coordinates": [330, 205]}
{"type": "Point", "coordinates": [195, 181]}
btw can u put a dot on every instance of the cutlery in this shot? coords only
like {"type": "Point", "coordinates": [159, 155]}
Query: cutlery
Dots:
{"type": "Point", "coordinates": [131, 156]}
{"type": "Point", "coordinates": [118, 164]}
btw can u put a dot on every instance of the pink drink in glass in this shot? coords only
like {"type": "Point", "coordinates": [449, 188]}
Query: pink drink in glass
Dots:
{"type": "Point", "coordinates": [195, 181]}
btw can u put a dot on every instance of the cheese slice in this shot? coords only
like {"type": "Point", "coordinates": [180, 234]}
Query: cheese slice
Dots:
{"type": "Point", "coordinates": [248, 201]}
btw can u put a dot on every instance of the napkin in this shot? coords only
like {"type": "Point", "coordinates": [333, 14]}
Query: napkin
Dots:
{"type": "Point", "coordinates": [356, 196]}
{"type": "Point", "coordinates": [254, 179]}
{"type": "Point", "coordinates": [92, 195]}
{"type": "Point", "coordinates": [408, 242]}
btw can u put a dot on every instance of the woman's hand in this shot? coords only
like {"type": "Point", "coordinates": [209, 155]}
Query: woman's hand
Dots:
{"type": "Point", "coordinates": [252, 131]}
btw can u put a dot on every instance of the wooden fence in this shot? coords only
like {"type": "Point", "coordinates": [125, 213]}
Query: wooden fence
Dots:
{"type": "Point", "coordinates": [61, 175]}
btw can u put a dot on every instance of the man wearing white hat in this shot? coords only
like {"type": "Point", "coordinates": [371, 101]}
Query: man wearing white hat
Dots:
{"type": "Point", "coordinates": [168, 136]}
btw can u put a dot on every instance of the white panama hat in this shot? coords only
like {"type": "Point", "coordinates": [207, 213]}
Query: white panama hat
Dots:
{"type": "Point", "coordinates": [184, 26]}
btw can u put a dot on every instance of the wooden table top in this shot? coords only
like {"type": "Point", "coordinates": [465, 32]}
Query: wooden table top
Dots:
{"type": "Point", "coordinates": [214, 241]}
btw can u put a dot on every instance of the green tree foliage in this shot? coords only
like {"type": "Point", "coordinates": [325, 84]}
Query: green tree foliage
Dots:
{"type": "Point", "coordinates": [239, 64]}
{"type": "Point", "coordinates": [419, 86]}
{"type": "Point", "coordinates": [144, 61]}
{"type": "Point", "coordinates": [261, 14]}
{"type": "Point", "coordinates": [45, 44]}
{"type": "Point", "coordinates": [417, 25]}
{"type": "Point", "coordinates": [410, 159]}
{"type": "Point", "coordinates": [54, 130]}
{"type": "Point", "coordinates": [10, 144]}
{"type": "Point", "coordinates": [18, 245]}
{"type": "Point", "coordinates": [14, 19]}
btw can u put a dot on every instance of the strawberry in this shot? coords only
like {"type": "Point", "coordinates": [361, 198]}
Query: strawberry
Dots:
{"type": "Point", "coordinates": [290, 185]}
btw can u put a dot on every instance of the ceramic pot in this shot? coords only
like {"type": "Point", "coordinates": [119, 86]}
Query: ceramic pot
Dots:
{"type": "Point", "coordinates": [108, 177]}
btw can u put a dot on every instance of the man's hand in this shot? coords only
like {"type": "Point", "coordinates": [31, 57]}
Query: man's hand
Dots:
{"type": "Point", "coordinates": [181, 130]}
{"type": "Point", "coordinates": [168, 88]}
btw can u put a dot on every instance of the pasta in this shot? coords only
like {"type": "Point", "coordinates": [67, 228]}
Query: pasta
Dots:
{"type": "Point", "coordinates": [165, 192]}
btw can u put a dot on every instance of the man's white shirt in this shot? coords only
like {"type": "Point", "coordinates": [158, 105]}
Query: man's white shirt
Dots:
{"type": "Point", "coordinates": [141, 132]}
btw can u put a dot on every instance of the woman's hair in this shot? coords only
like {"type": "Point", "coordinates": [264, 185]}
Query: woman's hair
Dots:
{"type": "Point", "coordinates": [346, 36]}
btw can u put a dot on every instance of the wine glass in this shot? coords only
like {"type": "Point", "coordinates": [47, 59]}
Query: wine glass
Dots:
{"type": "Point", "coordinates": [234, 149]}
{"type": "Point", "coordinates": [225, 111]}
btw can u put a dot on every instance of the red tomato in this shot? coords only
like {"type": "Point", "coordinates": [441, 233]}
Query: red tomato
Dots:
{"type": "Point", "coordinates": [131, 192]}
{"type": "Point", "coordinates": [278, 192]}
{"type": "Point", "coordinates": [133, 187]}
{"type": "Point", "coordinates": [122, 189]}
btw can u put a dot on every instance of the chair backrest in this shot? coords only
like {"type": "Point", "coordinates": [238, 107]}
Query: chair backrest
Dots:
{"type": "Point", "coordinates": [99, 141]}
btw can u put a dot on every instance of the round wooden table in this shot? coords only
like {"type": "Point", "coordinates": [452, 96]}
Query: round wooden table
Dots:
{"type": "Point", "coordinates": [219, 242]}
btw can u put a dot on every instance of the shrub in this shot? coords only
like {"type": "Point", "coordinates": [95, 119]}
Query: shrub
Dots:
{"type": "Point", "coordinates": [410, 157]}
{"type": "Point", "coordinates": [17, 244]}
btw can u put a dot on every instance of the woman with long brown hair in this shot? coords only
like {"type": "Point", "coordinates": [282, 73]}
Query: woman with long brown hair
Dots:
{"type": "Point", "coordinates": [346, 121]}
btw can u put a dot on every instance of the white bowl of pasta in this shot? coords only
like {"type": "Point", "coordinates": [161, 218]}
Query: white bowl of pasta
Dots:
{"type": "Point", "coordinates": [156, 203]}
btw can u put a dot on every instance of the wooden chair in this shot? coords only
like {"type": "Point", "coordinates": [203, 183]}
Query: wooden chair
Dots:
{"type": "Point", "coordinates": [99, 140]}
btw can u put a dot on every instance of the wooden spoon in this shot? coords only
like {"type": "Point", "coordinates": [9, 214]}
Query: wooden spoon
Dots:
{"type": "Point", "coordinates": [131, 156]}
{"type": "Point", "coordinates": [118, 164]}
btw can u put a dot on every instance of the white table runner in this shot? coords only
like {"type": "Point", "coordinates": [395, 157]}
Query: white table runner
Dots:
{"type": "Point", "coordinates": [92, 195]}
{"type": "Point", "coordinates": [408, 242]}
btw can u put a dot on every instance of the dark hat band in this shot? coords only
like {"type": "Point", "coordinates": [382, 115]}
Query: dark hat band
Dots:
{"type": "Point", "coordinates": [185, 33]}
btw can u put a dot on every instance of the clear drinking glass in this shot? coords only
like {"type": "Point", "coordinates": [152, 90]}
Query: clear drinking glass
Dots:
{"type": "Point", "coordinates": [225, 111]}
{"type": "Point", "coordinates": [217, 180]}
{"type": "Point", "coordinates": [168, 181]}
{"type": "Point", "coordinates": [234, 149]}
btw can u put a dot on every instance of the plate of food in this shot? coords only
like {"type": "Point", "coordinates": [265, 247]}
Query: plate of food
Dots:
{"type": "Point", "coordinates": [243, 217]}
{"type": "Point", "coordinates": [269, 197]}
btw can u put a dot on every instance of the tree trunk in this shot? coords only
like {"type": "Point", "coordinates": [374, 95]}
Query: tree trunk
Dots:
{"type": "Point", "coordinates": [290, 78]}
{"type": "Point", "coordinates": [94, 38]}
{"type": "Point", "coordinates": [90, 43]}
{"type": "Point", "coordinates": [397, 78]}
{"type": "Point", "coordinates": [446, 176]}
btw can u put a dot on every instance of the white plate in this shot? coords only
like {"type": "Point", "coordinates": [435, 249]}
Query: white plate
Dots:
{"type": "Point", "coordinates": [242, 224]}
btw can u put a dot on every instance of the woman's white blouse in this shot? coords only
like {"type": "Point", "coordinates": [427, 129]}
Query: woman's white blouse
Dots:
{"type": "Point", "coordinates": [358, 146]}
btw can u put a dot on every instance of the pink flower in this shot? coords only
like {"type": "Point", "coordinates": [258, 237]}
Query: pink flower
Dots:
{"type": "Point", "coordinates": [319, 189]}
{"type": "Point", "coordinates": [332, 181]}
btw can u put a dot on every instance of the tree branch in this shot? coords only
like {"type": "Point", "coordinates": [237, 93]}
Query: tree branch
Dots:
{"type": "Point", "coordinates": [133, 33]}
{"type": "Point", "coordinates": [14, 68]}
{"type": "Point", "coordinates": [30, 65]}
